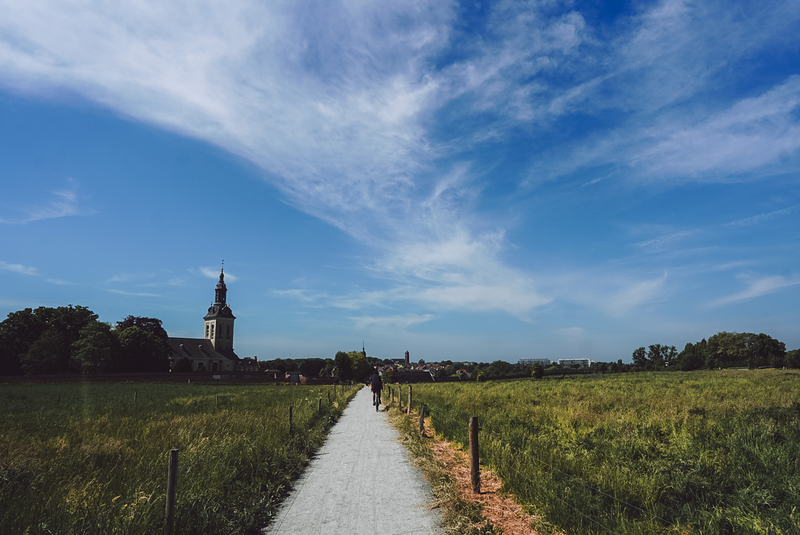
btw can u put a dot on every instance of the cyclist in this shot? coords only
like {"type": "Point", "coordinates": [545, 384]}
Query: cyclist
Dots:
{"type": "Point", "coordinates": [376, 385]}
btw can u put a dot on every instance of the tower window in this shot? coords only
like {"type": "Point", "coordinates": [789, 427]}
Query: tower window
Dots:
{"type": "Point", "coordinates": [207, 330]}
{"type": "Point", "coordinates": [212, 330]}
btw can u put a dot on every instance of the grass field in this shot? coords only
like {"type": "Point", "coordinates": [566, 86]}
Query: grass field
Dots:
{"type": "Point", "coordinates": [698, 452]}
{"type": "Point", "coordinates": [86, 459]}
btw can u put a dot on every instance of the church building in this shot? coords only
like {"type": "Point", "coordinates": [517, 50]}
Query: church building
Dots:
{"type": "Point", "coordinates": [214, 352]}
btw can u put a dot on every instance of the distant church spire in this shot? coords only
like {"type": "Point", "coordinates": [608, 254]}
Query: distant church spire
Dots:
{"type": "Point", "coordinates": [221, 291]}
{"type": "Point", "coordinates": [219, 320]}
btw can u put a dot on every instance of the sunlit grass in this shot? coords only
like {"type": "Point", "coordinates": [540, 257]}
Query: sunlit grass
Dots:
{"type": "Point", "coordinates": [87, 459]}
{"type": "Point", "coordinates": [701, 452]}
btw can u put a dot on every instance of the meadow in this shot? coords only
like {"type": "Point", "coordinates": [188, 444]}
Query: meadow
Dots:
{"type": "Point", "coordinates": [715, 452]}
{"type": "Point", "coordinates": [93, 458]}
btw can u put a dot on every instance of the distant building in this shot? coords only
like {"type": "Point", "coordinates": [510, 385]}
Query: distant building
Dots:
{"type": "Point", "coordinates": [214, 352]}
{"type": "Point", "coordinates": [572, 362]}
{"type": "Point", "coordinates": [531, 362]}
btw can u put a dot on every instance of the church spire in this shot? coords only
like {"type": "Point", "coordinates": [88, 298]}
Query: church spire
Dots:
{"type": "Point", "coordinates": [221, 291]}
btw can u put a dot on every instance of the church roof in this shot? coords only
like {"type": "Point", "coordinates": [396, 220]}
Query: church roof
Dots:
{"type": "Point", "coordinates": [197, 348]}
{"type": "Point", "coordinates": [219, 311]}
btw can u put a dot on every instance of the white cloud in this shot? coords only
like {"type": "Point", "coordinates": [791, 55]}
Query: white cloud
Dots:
{"type": "Point", "coordinates": [750, 134]}
{"type": "Point", "coordinates": [618, 293]}
{"type": "Point", "coordinates": [759, 287]}
{"type": "Point", "coordinates": [19, 268]}
{"type": "Point", "coordinates": [666, 238]}
{"type": "Point", "coordinates": [395, 322]}
{"type": "Point", "coordinates": [64, 204]}
{"type": "Point", "coordinates": [133, 294]}
{"type": "Point", "coordinates": [341, 109]}
{"type": "Point", "coordinates": [754, 220]}
{"type": "Point", "coordinates": [212, 273]}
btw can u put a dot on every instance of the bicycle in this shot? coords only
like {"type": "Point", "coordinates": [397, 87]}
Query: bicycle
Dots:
{"type": "Point", "coordinates": [376, 400]}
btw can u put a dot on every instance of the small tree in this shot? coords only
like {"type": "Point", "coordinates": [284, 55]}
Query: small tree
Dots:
{"type": "Point", "coordinates": [537, 371]}
{"type": "Point", "coordinates": [344, 366]}
{"type": "Point", "coordinates": [640, 357]}
{"type": "Point", "coordinates": [388, 376]}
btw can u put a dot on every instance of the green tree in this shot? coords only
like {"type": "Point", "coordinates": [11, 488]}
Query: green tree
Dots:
{"type": "Point", "coordinates": [640, 357]}
{"type": "Point", "coordinates": [312, 367]}
{"type": "Point", "coordinates": [142, 351]}
{"type": "Point", "coordinates": [793, 359]}
{"type": "Point", "coordinates": [360, 368]}
{"type": "Point", "coordinates": [344, 366]}
{"type": "Point", "coordinates": [537, 371]}
{"type": "Point", "coordinates": [388, 376]}
{"type": "Point", "coordinates": [9, 361]}
{"type": "Point", "coordinates": [655, 357]}
{"type": "Point", "coordinates": [670, 355]}
{"type": "Point", "coordinates": [692, 357]}
{"type": "Point", "coordinates": [150, 325]}
{"type": "Point", "coordinates": [50, 353]}
{"type": "Point", "coordinates": [98, 350]}
{"type": "Point", "coordinates": [24, 328]}
{"type": "Point", "coordinates": [763, 350]}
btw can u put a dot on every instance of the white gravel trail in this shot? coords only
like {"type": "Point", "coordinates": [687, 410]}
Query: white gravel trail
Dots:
{"type": "Point", "coordinates": [361, 481]}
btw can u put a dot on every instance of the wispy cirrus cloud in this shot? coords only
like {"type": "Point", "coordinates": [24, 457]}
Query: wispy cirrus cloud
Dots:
{"type": "Point", "coordinates": [751, 134]}
{"type": "Point", "coordinates": [617, 293]}
{"type": "Point", "coordinates": [402, 321]}
{"type": "Point", "coordinates": [760, 218]}
{"type": "Point", "coordinates": [19, 268]}
{"type": "Point", "coordinates": [133, 294]}
{"type": "Point", "coordinates": [63, 203]}
{"type": "Point", "coordinates": [367, 115]}
{"type": "Point", "coordinates": [759, 287]}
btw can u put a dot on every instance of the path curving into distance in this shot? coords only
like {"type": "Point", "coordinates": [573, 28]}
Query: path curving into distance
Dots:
{"type": "Point", "coordinates": [360, 481]}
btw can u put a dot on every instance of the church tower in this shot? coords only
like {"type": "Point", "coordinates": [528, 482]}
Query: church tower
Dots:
{"type": "Point", "coordinates": [219, 320]}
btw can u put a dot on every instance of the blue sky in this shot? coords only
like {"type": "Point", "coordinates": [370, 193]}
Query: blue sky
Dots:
{"type": "Point", "coordinates": [476, 181]}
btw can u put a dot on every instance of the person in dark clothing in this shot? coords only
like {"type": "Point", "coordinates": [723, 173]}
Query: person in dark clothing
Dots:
{"type": "Point", "coordinates": [376, 385]}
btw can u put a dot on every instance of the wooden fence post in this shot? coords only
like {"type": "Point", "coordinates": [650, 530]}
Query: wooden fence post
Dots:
{"type": "Point", "coordinates": [399, 399]}
{"type": "Point", "coordinates": [474, 466]}
{"type": "Point", "coordinates": [329, 397]}
{"type": "Point", "coordinates": [135, 396]}
{"type": "Point", "coordinates": [58, 401]}
{"type": "Point", "coordinates": [216, 400]}
{"type": "Point", "coordinates": [408, 409]}
{"type": "Point", "coordinates": [421, 418]}
{"type": "Point", "coordinates": [290, 420]}
{"type": "Point", "coordinates": [172, 482]}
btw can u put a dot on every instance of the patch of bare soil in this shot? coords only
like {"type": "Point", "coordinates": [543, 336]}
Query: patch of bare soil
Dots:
{"type": "Point", "coordinates": [499, 509]}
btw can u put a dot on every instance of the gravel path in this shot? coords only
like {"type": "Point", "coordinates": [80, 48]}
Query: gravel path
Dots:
{"type": "Point", "coordinates": [361, 481]}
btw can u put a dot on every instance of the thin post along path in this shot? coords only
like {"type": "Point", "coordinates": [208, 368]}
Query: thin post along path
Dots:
{"type": "Point", "coordinates": [361, 481]}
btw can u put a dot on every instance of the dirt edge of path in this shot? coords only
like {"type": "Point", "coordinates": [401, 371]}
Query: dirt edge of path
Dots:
{"type": "Point", "coordinates": [492, 511]}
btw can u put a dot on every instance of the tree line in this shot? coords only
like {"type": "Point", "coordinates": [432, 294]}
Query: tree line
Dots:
{"type": "Point", "coordinates": [346, 366]}
{"type": "Point", "coordinates": [70, 339]}
{"type": "Point", "coordinates": [723, 350]}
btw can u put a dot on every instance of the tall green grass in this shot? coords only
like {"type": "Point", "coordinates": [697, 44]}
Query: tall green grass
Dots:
{"type": "Point", "coordinates": [86, 459]}
{"type": "Point", "coordinates": [700, 452]}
